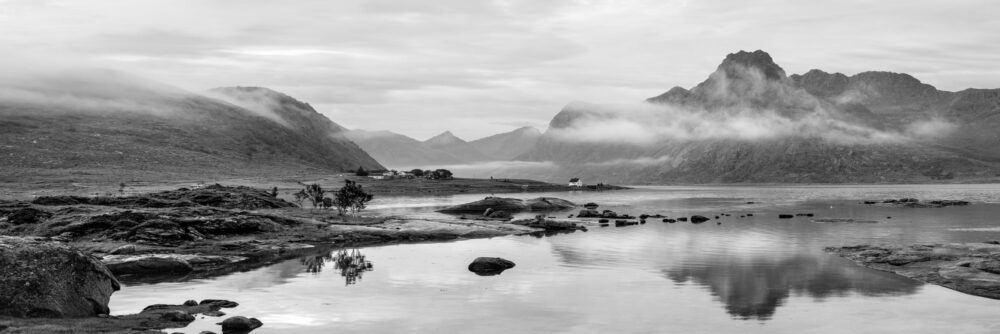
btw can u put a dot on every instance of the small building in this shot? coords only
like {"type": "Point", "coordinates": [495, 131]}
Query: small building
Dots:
{"type": "Point", "coordinates": [575, 182]}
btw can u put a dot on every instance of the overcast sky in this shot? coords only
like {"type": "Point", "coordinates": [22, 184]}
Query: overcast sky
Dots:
{"type": "Point", "coordinates": [482, 67]}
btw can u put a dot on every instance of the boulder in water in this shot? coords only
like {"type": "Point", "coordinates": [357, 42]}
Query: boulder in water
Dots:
{"type": "Point", "coordinates": [489, 266]}
{"type": "Point", "coordinates": [48, 279]}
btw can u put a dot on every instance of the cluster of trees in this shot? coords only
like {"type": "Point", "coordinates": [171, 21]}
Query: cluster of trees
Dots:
{"type": "Point", "coordinates": [350, 198]}
{"type": "Point", "coordinates": [437, 174]}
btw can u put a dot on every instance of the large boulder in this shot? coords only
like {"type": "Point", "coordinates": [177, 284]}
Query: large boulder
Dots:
{"type": "Point", "coordinates": [50, 279]}
{"type": "Point", "coordinates": [489, 266]}
{"type": "Point", "coordinates": [240, 324]}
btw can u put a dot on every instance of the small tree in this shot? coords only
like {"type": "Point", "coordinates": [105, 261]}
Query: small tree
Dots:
{"type": "Point", "coordinates": [442, 174]}
{"type": "Point", "coordinates": [417, 172]}
{"type": "Point", "coordinates": [361, 172]}
{"type": "Point", "coordinates": [351, 197]}
{"type": "Point", "coordinates": [314, 193]}
{"type": "Point", "coordinates": [300, 197]}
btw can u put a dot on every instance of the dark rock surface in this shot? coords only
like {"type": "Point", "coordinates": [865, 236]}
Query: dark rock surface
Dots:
{"type": "Point", "coordinates": [698, 219]}
{"type": "Point", "coordinates": [49, 279]}
{"type": "Point", "coordinates": [238, 324]}
{"type": "Point", "coordinates": [511, 205]}
{"type": "Point", "coordinates": [971, 268]}
{"type": "Point", "coordinates": [489, 266]}
{"type": "Point", "coordinates": [216, 195]}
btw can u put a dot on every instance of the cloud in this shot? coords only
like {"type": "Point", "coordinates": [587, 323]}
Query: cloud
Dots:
{"type": "Point", "coordinates": [736, 103]}
{"type": "Point", "coordinates": [370, 63]}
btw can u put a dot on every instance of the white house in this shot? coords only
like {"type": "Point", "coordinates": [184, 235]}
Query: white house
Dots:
{"type": "Point", "coordinates": [575, 182]}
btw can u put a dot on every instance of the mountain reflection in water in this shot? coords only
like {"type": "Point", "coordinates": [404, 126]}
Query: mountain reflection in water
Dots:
{"type": "Point", "coordinates": [754, 289]}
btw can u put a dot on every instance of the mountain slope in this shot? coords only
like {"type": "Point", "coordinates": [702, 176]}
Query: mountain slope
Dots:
{"type": "Point", "coordinates": [448, 142]}
{"type": "Point", "coordinates": [398, 151]}
{"type": "Point", "coordinates": [119, 126]}
{"type": "Point", "coordinates": [749, 122]}
{"type": "Point", "coordinates": [508, 145]}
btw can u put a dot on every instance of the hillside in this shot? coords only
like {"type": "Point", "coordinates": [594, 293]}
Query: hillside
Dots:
{"type": "Point", "coordinates": [508, 145]}
{"type": "Point", "coordinates": [749, 122]}
{"type": "Point", "coordinates": [118, 128]}
{"type": "Point", "coordinates": [458, 147]}
{"type": "Point", "coordinates": [398, 151]}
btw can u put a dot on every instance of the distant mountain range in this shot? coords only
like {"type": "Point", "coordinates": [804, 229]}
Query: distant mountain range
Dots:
{"type": "Point", "coordinates": [399, 151]}
{"type": "Point", "coordinates": [94, 124]}
{"type": "Point", "coordinates": [749, 122]}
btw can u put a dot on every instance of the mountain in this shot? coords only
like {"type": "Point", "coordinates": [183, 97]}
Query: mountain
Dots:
{"type": "Point", "coordinates": [119, 128]}
{"type": "Point", "coordinates": [749, 122]}
{"type": "Point", "coordinates": [398, 151]}
{"type": "Point", "coordinates": [448, 142]}
{"type": "Point", "coordinates": [508, 145]}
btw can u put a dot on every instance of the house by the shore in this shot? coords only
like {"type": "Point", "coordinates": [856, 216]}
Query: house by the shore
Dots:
{"type": "Point", "coordinates": [575, 182]}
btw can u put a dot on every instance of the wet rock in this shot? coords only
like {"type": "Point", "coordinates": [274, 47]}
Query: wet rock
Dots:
{"type": "Point", "coordinates": [219, 303]}
{"type": "Point", "coordinates": [191, 302]}
{"type": "Point", "coordinates": [177, 316]}
{"type": "Point", "coordinates": [696, 219]}
{"type": "Point", "coordinates": [214, 313]}
{"type": "Point", "coordinates": [970, 267]}
{"type": "Point", "coordinates": [45, 279]}
{"type": "Point", "coordinates": [124, 250]}
{"type": "Point", "coordinates": [785, 216]}
{"type": "Point", "coordinates": [488, 266]}
{"type": "Point", "coordinates": [147, 264]}
{"type": "Point", "coordinates": [683, 219]}
{"type": "Point", "coordinates": [590, 205]}
{"type": "Point", "coordinates": [499, 214]}
{"type": "Point", "coordinates": [240, 324]}
{"type": "Point", "coordinates": [512, 205]}
{"type": "Point", "coordinates": [843, 220]}
{"type": "Point", "coordinates": [588, 213]}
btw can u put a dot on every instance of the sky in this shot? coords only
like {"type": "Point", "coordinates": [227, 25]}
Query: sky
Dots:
{"type": "Point", "coordinates": [482, 67]}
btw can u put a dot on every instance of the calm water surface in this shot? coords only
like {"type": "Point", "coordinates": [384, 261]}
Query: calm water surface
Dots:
{"type": "Point", "coordinates": [750, 275]}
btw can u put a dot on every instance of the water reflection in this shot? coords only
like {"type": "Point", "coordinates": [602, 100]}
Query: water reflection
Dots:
{"type": "Point", "coordinates": [352, 264]}
{"type": "Point", "coordinates": [754, 289]}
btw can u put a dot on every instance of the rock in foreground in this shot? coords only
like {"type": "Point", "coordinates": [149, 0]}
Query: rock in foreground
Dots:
{"type": "Point", "coordinates": [972, 268]}
{"type": "Point", "coordinates": [49, 279]}
{"type": "Point", "coordinates": [239, 324]}
{"type": "Point", "coordinates": [489, 266]}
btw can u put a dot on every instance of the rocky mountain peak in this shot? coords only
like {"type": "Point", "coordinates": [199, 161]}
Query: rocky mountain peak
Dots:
{"type": "Point", "coordinates": [759, 60]}
{"type": "Point", "coordinates": [445, 138]}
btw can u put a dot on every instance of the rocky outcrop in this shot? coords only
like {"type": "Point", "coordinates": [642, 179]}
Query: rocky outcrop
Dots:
{"type": "Point", "coordinates": [489, 266]}
{"type": "Point", "coordinates": [916, 203]}
{"type": "Point", "coordinates": [971, 268]}
{"type": "Point", "coordinates": [50, 279]}
{"type": "Point", "coordinates": [511, 205]}
{"type": "Point", "coordinates": [239, 324]}
{"type": "Point", "coordinates": [219, 196]}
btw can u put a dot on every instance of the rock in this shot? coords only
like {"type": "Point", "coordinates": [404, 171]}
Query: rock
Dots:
{"type": "Point", "coordinates": [602, 220]}
{"type": "Point", "coordinates": [499, 214]}
{"type": "Point", "coordinates": [206, 332]}
{"type": "Point", "coordinates": [45, 279]}
{"type": "Point", "coordinates": [970, 267]}
{"type": "Point", "coordinates": [219, 303]}
{"type": "Point", "coordinates": [588, 213]}
{"type": "Point", "coordinates": [785, 216]}
{"type": "Point", "coordinates": [512, 205]}
{"type": "Point", "coordinates": [843, 220]}
{"type": "Point", "coordinates": [489, 266]}
{"type": "Point", "coordinates": [590, 205]}
{"type": "Point", "coordinates": [177, 316]}
{"type": "Point", "coordinates": [26, 216]}
{"type": "Point", "coordinates": [696, 219]}
{"type": "Point", "coordinates": [124, 249]}
{"type": "Point", "coordinates": [191, 302]}
{"type": "Point", "coordinates": [240, 324]}
{"type": "Point", "coordinates": [214, 313]}
{"type": "Point", "coordinates": [683, 219]}
{"type": "Point", "coordinates": [147, 264]}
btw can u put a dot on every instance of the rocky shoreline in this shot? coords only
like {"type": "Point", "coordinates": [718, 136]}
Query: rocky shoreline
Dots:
{"type": "Point", "coordinates": [195, 233]}
{"type": "Point", "coordinates": [972, 268]}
